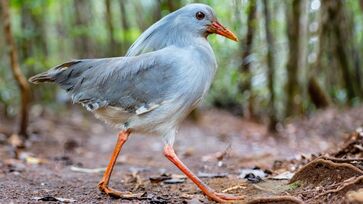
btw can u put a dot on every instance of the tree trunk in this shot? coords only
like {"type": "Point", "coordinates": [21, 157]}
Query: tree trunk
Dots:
{"type": "Point", "coordinates": [339, 29]}
{"type": "Point", "coordinates": [245, 69]}
{"type": "Point", "coordinates": [17, 74]}
{"type": "Point", "coordinates": [82, 42]}
{"type": "Point", "coordinates": [317, 95]}
{"type": "Point", "coordinates": [34, 39]}
{"type": "Point", "coordinates": [112, 46]}
{"type": "Point", "coordinates": [125, 27]}
{"type": "Point", "coordinates": [157, 10]}
{"type": "Point", "coordinates": [169, 5]}
{"type": "Point", "coordinates": [40, 31]}
{"type": "Point", "coordinates": [347, 54]}
{"type": "Point", "coordinates": [142, 23]}
{"type": "Point", "coordinates": [172, 5]}
{"type": "Point", "coordinates": [25, 43]}
{"type": "Point", "coordinates": [293, 105]}
{"type": "Point", "coordinates": [271, 66]}
{"type": "Point", "coordinates": [357, 56]}
{"type": "Point", "coordinates": [303, 59]}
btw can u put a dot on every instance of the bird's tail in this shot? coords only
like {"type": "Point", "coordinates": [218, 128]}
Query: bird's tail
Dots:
{"type": "Point", "coordinates": [42, 77]}
{"type": "Point", "coordinates": [50, 75]}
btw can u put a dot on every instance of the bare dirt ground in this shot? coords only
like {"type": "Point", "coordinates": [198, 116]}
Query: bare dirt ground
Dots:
{"type": "Point", "coordinates": [67, 151]}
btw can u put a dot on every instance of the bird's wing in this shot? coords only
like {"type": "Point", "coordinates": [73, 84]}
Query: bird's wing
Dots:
{"type": "Point", "coordinates": [135, 84]}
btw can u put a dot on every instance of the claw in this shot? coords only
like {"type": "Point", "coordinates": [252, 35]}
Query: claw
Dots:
{"type": "Point", "coordinates": [118, 194]}
{"type": "Point", "coordinates": [109, 191]}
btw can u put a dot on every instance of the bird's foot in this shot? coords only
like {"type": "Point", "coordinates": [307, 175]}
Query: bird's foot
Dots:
{"type": "Point", "coordinates": [109, 191]}
{"type": "Point", "coordinates": [225, 198]}
{"type": "Point", "coordinates": [117, 194]}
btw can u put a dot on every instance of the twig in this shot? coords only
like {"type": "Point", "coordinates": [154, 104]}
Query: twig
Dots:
{"type": "Point", "coordinates": [347, 183]}
{"type": "Point", "coordinates": [233, 188]}
{"type": "Point", "coordinates": [85, 170]}
{"type": "Point", "coordinates": [342, 160]}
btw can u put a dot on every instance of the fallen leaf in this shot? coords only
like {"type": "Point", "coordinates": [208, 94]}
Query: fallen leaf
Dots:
{"type": "Point", "coordinates": [168, 179]}
{"type": "Point", "coordinates": [51, 198]}
{"type": "Point", "coordinates": [179, 176]}
{"type": "Point", "coordinates": [174, 181]}
{"type": "Point", "coordinates": [16, 141]}
{"type": "Point", "coordinates": [158, 179]}
{"type": "Point", "coordinates": [212, 175]}
{"type": "Point", "coordinates": [34, 160]}
{"type": "Point", "coordinates": [86, 170]}
{"type": "Point", "coordinates": [253, 178]}
{"type": "Point", "coordinates": [30, 159]}
{"type": "Point", "coordinates": [257, 172]}
{"type": "Point", "coordinates": [287, 175]}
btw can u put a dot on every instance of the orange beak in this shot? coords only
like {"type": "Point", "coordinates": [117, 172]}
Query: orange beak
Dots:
{"type": "Point", "coordinates": [217, 28]}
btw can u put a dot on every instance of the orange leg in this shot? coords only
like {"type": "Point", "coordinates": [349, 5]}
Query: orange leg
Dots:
{"type": "Point", "coordinates": [103, 184]}
{"type": "Point", "coordinates": [219, 197]}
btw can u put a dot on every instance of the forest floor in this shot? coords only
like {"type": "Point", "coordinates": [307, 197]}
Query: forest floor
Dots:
{"type": "Point", "coordinates": [67, 152]}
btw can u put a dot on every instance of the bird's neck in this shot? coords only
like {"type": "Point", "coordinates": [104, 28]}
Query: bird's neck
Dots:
{"type": "Point", "coordinates": [162, 35]}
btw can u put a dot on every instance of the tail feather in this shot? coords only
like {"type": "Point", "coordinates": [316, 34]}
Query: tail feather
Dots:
{"type": "Point", "coordinates": [41, 78]}
{"type": "Point", "coordinates": [51, 75]}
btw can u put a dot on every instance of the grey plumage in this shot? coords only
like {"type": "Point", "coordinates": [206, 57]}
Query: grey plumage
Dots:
{"type": "Point", "coordinates": [122, 82]}
{"type": "Point", "coordinates": [164, 75]}
{"type": "Point", "coordinates": [167, 31]}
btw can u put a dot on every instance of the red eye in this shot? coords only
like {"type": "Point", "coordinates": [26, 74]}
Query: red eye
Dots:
{"type": "Point", "coordinates": [200, 15]}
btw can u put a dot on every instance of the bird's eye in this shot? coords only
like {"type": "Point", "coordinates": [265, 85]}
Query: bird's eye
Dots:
{"type": "Point", "coordinates": [199, 15]}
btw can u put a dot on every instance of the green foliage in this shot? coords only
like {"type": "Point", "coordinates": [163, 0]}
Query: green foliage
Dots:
{"type": "Point", "coordinates": [46, 35]}
{"type": "Point", "coordinates": [294, 186]}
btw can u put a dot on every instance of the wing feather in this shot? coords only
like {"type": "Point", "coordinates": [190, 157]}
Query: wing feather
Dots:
{"type": "Point", "coordinates": [135, 84]}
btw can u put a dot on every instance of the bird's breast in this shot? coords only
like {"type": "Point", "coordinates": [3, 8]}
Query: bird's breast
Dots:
{"type": "Point", "coordinates": [195, 76]}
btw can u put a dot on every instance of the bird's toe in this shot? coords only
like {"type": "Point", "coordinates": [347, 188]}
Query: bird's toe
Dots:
{"type": "Point", "coordinates": [229, 197]}
{"type": "Point", "coordinates": [117, 194]}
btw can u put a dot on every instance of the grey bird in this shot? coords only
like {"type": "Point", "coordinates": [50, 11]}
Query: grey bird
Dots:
{"type": "Point", "coordinates": [163, 77]}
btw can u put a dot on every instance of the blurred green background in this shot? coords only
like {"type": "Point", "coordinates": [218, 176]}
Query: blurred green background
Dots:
{"type": "Point", "coordinates": [294, 56]}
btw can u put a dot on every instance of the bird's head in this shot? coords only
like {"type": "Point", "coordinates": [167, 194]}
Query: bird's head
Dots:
{"type": "Point", "coordinates": [180, 27]}
{"type": "Point", "coordinates": [200, 18]}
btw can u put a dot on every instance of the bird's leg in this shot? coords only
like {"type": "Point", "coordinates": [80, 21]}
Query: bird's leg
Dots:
{"type": "Point", "coordinates": [219, 197]}
{"type": "Point", "coordinates": [103, 184]}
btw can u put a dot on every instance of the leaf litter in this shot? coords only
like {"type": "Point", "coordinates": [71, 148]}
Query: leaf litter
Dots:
{"type": "Point", "coordinates": [71, 168]}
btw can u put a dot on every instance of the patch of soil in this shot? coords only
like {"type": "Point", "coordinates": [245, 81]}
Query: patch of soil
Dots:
{"type": "Point", "coordinates": [67, 151]}
{"type": "Point", "coordinates": [343, 191]}
{"type": "Point", "coordinates": [352, 146]}
{"type": "Point", "coordinates": [276, 200]}
{"type": "Point", "coordinates": [322, 172]}
{"type": "Point", "coordinates": [328, 179]}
